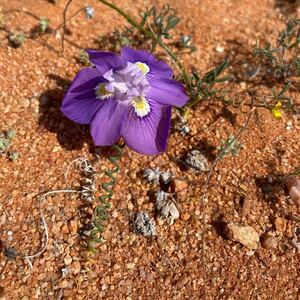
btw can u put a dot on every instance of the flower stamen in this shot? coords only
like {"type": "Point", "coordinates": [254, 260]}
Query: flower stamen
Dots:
{"type": "Point", "coordinates": [141, 106]}
{"type": "Point", "coordinates": [101, 92]}
{"type": "Point", "coordinates": [143, 67]}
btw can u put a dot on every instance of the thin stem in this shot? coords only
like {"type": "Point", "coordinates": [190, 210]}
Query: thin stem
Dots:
{"type": "Point", "coordinates": [153, 47]}
{"type": "Point", "coordinates": [68, 19]}
{"type": "Point", "coordinates": [205, 188]}
{"type": "Point", "coordinates": [286, 177]}
{"type": "Point", "coordinates": [150, 34]}
{"type": "Point", "coordinates": [64, 26]}
{"type": "Point", "coordinates": [169, 52]}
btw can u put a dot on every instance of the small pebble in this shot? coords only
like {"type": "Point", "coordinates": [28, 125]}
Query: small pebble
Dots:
{"type": "Point", "coordinates": [75, 267]}
{"type": "Point", "coordinates": [130, 266]}
{"type": "Point", "coordinates": [10, 253]}
{"type": "Point", "coordinates": [220, 49]}
{"type": "Point", "coordinates": [179, 184]}
{"type": "Point", "coordinates": [293, 186]}
{"type": "Point", "coordinates": [65, 229]}
{"type": "Point", "coordinates": [289, 125]}
{"type": "Point", "coordinates": [68, 261]}
{"type": "Point", "coordinates": [196, 160]}
{"type": "Point", "coordinates": [243, 85]}
{"type": "Point", "coordinates": [185, 216]}
{"type": "Point", "coordinates": [246, 235]}
{"type": "Point", "coordinates": [280, 224]}
{"type": "Point", "coordinates": [180, 255]}
{"type": "Point", "coordinates": [63, 284]}
{"type": "Point", "coordinates": [269, 242]}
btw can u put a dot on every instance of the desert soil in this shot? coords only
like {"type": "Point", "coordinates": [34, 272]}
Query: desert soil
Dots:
{"type": "Point", "coordinates": [170, 265]}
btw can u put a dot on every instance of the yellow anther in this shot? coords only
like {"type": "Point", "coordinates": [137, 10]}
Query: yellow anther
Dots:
{"type": "Point", "coordinates": [141, 106]}
{"type": "Point", "coordinates": [102, 92]}
{"type": "Point", "coordinates": [143, 67]}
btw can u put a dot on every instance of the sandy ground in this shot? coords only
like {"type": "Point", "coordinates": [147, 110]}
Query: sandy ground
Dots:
{"type": "Point", "coordinates": [33, 79]}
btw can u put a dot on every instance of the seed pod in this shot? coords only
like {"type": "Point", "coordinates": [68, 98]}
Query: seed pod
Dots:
{"type": "Point", "coordinates": [293, 186]}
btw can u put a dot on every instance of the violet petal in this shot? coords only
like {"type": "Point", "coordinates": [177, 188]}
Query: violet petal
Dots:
{"type": "Point", "coordinates": [148, 135]}
{"type": "Point", "coordinates": [106, 125]}
{"type": "Point", "coordinates": [158, 69]}
{"type": "Point", "coordinates": [104, 61]}
{"type": "Point", "coordinates": [168, 92]}
{"type": "Point", "coordinates": [80, 103]}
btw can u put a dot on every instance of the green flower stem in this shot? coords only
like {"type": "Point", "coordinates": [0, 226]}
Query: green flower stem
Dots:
{"type": "Point", "coordinates": [152, 35]}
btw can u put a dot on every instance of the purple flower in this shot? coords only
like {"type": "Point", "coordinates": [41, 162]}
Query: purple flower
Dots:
{"type": "Point", "coordinates": [127, 96]}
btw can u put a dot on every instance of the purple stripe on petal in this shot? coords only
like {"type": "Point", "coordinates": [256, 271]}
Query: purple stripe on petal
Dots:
{"type": "Point", "coordinates": [148, 135]}
{"type": "Point", "coordinates": [106, 126]}
{"type": "Point", "coordinates": [158, 69]}
{"type": "Point", "coordinates": [104, 61]}
{"type": "Point", "coordinates": [168, 92]}
{"type": "Point", "coordinates": [80, 103]}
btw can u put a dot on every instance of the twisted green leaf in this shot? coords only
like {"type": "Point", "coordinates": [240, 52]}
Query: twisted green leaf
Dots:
{"type": "Point", "coordinates": [100, 211]}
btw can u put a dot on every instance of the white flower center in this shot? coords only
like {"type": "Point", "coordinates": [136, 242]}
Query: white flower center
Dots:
{"type": "Point", "coordinates": [128, 85]}
{"type": "Point", "coordinates": [141, 106]}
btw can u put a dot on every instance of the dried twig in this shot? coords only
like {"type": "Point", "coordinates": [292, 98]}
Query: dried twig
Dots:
{"type": "Point", "coordinates": [64, 25]}
{"type": "Point", "coordinates": [40, 252]}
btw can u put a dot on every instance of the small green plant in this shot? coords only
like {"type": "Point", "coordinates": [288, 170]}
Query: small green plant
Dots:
{"type": "Point", "coordinates": [17, 39]}
{"type": "Point", "coordinates": [160, 21]}
{"type": "Point", "coordinates": [185, 42]}
{"type": "Point", "coordinates": [10, 134]}
{"type": "Point", "coordinates": [282, 101]}
{"type": "Point", "coordinates": [44, 24]}
{"type": "Point", "coordinates": [84, 58]}
{"type": "Point", "coordinates": [5, 144]}
{"type": "Point", "coordinates": [276, 101]}
{"type": "Point", "coordinates": [203, 88]}
{"type": "Point", "coordinates": [281, 60]}
{"type": "Point", "coordinates": [5, 140]}
{"type": "Point", "coordinates": [13, 155]}
{"type": "Point", "coordinates": [230, 146]}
